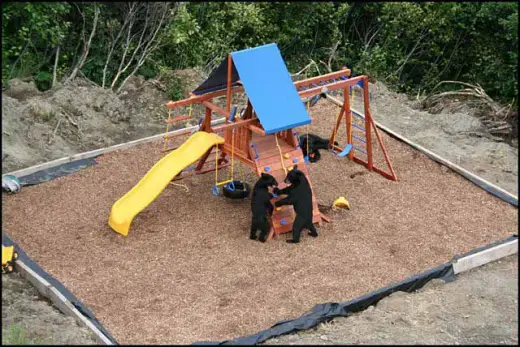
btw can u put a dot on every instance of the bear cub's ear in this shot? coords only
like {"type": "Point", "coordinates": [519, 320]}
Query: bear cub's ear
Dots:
{"type": "Point", "coordinates": [264, 175]}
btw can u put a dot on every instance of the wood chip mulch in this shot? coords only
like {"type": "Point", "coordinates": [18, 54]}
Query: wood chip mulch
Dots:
{"type": "Point", "coordinates": [187, 271]}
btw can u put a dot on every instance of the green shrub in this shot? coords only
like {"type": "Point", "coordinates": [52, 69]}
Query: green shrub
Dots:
{"type": "Point", "coordinates": [174, 87]}
{"type": "Point", "coordinates": [43, 81]}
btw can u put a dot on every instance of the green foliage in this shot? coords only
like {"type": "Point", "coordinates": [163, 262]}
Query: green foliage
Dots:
{"type": "Point", "coordinates": [15, 335]}
{"type": "Point", "coordinates": [410, 45]}
{"type": "Point", "coordinates": [32, 29]}
{"type": "Point", "coordinates": [43, 81]}
{"type": "Point", "coordinates": [174, 87]}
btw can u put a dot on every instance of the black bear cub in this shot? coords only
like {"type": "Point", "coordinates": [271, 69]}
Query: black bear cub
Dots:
{"type": "Point", "coordinates": [261, 206]}
{"type": "Point", "coordinates": [299, 194]}
{"type": "Point", "coordinates": [315, 144]}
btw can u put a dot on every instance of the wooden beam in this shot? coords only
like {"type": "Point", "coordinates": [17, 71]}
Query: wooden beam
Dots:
{"type": "Point", "coordinates": [228, 90]}
{"type": "Point", "coordinates": [216, 109]}
{"type": "Point", "coordinates": [180, 133]}
{"type": "Point", "coordinates": [256, 130]}
{"type": "Point", "coordinates": [177, 119]}
{"type": "Point", "coordinates": [50, 292]}
{"type": "Point", "coordinates": [236, 124]}
{"type": "Point", "coordinates": [202, 160]}
{"type": "Point", "coordinates": [201, 98]}
{"type": "Point", "coordinates": [310, 92]}
{"type": "Point", "coordinates": [322, 78]}
{"type": "Point", "coordinates": [486, 256]}
{"type": "Point", "coordinates": [329, 87]}
{"type": "Point", "coordinates": [336, 127]}
{"type": "Point", "coordinates": [382, 145]}
{"type": "Point", "coordinates": [206, 122]}
{"type": "Point", "coordinates": [368, 124]}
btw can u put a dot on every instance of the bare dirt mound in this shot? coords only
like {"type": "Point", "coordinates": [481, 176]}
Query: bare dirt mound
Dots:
{"type": "Point", "coordinates": [480, 307]}
{"type": "Point", "coordinates": [27, 318]}
{"type": "Point", "coordinates": [38, 127]}
{"type": "Point", "coordinates": [458, 136]}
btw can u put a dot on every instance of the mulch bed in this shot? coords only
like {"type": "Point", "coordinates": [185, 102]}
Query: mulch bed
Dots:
{"type": "Point", "coordinates": [187, 271]}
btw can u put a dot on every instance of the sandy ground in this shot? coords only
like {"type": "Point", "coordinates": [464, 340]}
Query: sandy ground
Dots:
{"type": "Point", "coordinates": [40, 322]}
{"type": "Point", "coordinates": [205, 280]}
{"type": "Point", "coordinates": [26, 139]}
{"type": "Point", "coordinates": [479, 308]}
{"type": "Point", "coordinates": [456, 136]}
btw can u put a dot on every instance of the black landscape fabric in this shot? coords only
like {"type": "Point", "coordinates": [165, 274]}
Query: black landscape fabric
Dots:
{"type": "Point", "coordinates": [55, 172]}
{"type": "Point", "coordinates": [6, 241]}
{"type": "Point", "coordinates": [324, 312]}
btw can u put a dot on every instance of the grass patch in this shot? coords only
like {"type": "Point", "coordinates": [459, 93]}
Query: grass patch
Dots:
{"type": "Point", "coordinates": [15, 335]}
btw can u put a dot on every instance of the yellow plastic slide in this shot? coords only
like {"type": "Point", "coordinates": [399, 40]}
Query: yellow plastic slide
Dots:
{"type": "Point", "coordinates": [158, 178]}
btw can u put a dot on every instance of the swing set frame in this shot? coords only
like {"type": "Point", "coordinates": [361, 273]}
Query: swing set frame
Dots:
{"type": "Point", "coordinates": [244, 127]}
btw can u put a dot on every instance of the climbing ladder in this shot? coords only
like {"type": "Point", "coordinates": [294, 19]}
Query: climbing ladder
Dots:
{"type": "Point", "coordinates": [267, 158]}
{"type": "Point", "coordinates": [169, 121]}
{"type": "Point", "coordinates": [359, 137]}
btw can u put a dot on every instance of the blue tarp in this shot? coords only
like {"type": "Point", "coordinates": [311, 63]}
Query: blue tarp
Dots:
{"type": "Point", "coordinates": [270, 89]}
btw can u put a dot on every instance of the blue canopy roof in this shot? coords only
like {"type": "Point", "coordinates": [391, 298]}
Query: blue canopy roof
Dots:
{"type": "Point", "coordinates": [268, 85]}
{"type": "Point", "coordinates": [270, 89]}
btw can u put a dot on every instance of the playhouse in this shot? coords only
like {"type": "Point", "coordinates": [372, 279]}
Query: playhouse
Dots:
{"type": "Point", "coordinates": [262, 136]}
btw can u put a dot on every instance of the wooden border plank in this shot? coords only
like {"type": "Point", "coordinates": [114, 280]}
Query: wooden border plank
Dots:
{"type": "Point", "coordinates": [489, 255]}
{"type": "Point", "coordinates": [59, 300]}
{"type": "Point", "coordinates": [96, 152]}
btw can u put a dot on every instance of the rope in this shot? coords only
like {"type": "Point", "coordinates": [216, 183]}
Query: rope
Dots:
{"type": "Point", "coordinates": [281, 156]}
{"type": "Point", "coordinates": [181, 185]}
{"type": "Point", "coordinates": [232, 153]}
{"type": "Point", "coordinates": [216, 165]}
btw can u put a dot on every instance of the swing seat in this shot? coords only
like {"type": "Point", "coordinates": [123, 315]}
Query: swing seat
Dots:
{"type": "Point", "coordinates": [236, 190]}
{"type": "Point", "coordinates": [344, 152]}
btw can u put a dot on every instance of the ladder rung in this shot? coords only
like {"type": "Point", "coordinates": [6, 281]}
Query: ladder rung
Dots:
{"type": "Point", "coordinates": [169, 136]}
{"type": "Point", "coordinates": [358, 127]}
{"type": "Point", "coordinates": [359, 138]}
{"type": "Point", "coordinates": [177, 119]}
{"type": "Point", "coordinates": [359, 149]}
{"type": "Point", "coordinates": [358, 115]}
{"type": "Point", "coordinates": [164, 150]}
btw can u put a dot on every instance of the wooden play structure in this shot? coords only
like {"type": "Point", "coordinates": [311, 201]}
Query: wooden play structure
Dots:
{"type": "Point", "coordinates": [263, 137]}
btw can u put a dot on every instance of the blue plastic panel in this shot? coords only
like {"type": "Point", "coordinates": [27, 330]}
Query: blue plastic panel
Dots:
{"type": "Point", "coordinates": [268, 85]}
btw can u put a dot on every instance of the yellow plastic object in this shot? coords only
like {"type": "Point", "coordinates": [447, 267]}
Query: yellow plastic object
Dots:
{"type": "Point", "coordinates": [287, 156]}
{"type": "Point", "coordinates": [341, 202]}
{"type": "Point", "coordinates": [158, 178]}
{"type": "Point", "coordinates": [8, 256]}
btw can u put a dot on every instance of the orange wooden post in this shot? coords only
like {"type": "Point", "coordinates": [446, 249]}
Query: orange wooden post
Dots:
{"type": "Point", "coordinates": [368, 124]}
{"type": "Point", "coordinates": [229, 76]}
{"type": "Point", "coordinates": [206, 122]}
{"type": "Point", "coordinates": [382, 145]}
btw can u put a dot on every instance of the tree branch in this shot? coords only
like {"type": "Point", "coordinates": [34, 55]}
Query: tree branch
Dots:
{"type": "Point", "coordinates": [86, 46]}
{"type": "Point", "coordinates": [54, 70]}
